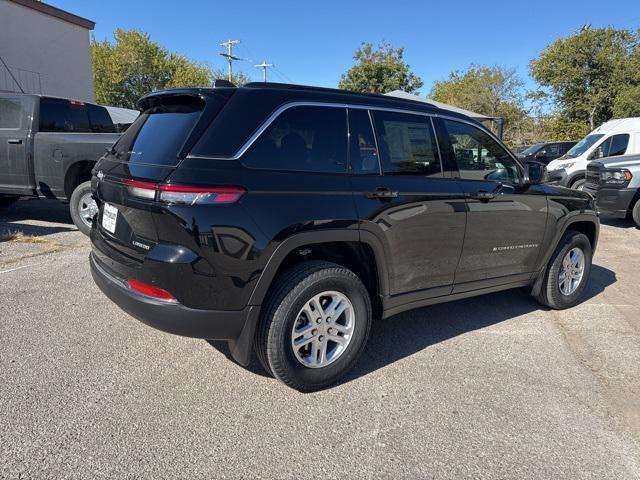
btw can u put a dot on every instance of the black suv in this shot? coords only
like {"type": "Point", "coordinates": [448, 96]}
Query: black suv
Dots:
{"type": "Point", "coordinates": [545, 152]}
{"type": "Point", "coordinates": [284, 218]}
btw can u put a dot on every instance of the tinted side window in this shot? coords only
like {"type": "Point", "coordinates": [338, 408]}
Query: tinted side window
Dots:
{"type": "Point", "coordinates": [100, 119]}
{"type": "Point", "coordinates": [58, 115]}
{"type": "Point", "coordinates": [310, 139]}
{"type": "Point", "coordinates": [362, 150]}
{"type": "Point", "coordinates": [618, 145]}
{"type": "Point", "coordinates": [478, 156]}
{"type": "Point", "coordinates": [407, 144]}
{"type": "Point", "coordinates": [553, 150]}
{"type": "Point", "coordinates": [10, 113]}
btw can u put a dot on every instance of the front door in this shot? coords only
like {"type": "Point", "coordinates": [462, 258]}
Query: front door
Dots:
{"type": "Point", "coordinates": [506, 219]}
{"type": "Point", "coordinates": [14, 128]}
{"type": "Point", "coordinates": [404, 198]}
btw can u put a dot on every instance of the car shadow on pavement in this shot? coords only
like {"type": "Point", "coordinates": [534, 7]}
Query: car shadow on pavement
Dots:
{"type": "Point", "coordinates": [617, 222]}
{"type": "Point", "coordinates": [41, 210]}
{"type": "Point", "coordinates": [402, 335]}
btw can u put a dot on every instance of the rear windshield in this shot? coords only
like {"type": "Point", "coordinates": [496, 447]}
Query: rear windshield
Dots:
{"type": "Point", "coordinates": [60, 115]}
{"type": "Point", "coordinates": [158, 134]}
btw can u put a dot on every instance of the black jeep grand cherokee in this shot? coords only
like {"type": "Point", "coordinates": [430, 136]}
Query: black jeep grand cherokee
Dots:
{"type": "Point", "coordinates": [284, 218]}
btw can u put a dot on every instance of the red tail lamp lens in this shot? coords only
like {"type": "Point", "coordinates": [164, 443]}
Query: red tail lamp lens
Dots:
{"type": "Point", "coordinates": [151, 290]}
{"type": "Point", "coordinates": [184, 194]}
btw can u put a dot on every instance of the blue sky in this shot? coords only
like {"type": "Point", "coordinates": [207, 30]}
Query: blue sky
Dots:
{"type": "Point", "coordinates": [312, 42]}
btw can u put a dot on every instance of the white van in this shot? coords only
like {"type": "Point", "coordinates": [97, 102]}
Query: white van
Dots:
{"type": "Point", "coordinates": [612, 138]}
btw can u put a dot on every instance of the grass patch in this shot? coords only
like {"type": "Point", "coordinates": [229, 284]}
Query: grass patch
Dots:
{"type": "Point", "coordinates": [46, 245]}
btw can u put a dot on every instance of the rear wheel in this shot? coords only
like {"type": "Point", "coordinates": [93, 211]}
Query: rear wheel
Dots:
{"type": "Point", "coordinates": [578, 184]}
{"type": "Point", "coordinates": [635, 213]}
{"type": "Point", "coordinates": [567, 272]}
{"type": "Point", "coordinates": [8, 200]}
{"type": "Point", "coordinates": [314, 326]}
{"type": "Point", "coordinates": [83, 207]}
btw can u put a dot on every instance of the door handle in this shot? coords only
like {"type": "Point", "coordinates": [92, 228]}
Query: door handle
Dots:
{"type": "Point", "coordinates": [382, 193]}
{"type": "Point", "coordinates": [14, 141]}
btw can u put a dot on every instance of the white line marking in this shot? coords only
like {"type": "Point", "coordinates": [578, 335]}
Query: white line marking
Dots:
{"type": "Point", "coordinates": [20, 268]}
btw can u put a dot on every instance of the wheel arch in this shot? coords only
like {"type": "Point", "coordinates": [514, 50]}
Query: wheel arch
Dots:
{"type": "Point", "coordinates": [77, 173]}
{"type": "Point", "coordinates": [360, 253]}
{"type": "Point", "coordinates": [580, 222]}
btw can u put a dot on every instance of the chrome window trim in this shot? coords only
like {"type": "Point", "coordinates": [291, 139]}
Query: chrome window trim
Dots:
{"type": "Point", "coordinates": [286, 106]}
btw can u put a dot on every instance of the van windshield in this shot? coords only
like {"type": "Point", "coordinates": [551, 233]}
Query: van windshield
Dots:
{"type": "Point", "coordinates": [583, 145]}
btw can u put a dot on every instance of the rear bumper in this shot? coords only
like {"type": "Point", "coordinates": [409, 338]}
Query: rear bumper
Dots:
{"type": "Point", "coordinates": [237, 327]}
{"type": "Point", "coordinates": [615, 201]}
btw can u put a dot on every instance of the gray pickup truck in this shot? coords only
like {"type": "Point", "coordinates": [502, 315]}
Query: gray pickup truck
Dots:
{"type": "Point", "coordinates": [615, 184]}
{"type": "Point", "coordinates": [48, 147]}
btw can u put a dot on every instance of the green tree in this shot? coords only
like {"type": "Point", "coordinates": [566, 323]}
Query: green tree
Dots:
{"type": "Point", "coordinates": [237, 78]}
{"type": "Point", "coordinates": [492, 91]}
{"type": "Point", "coordinates": [379, 70]}
{"type": "Point", "coordinates": [134, 65]}
{"type": "Point", "coordinates": [590, 75]}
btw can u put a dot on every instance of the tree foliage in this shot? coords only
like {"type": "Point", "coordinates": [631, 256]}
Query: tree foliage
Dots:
{"type": "Point", "coordinates": [379, 70]}
{"type": "Point", "coordinates": [492, 91]}
{"type": "Point", "coordinates": [134, 65]}
{"type": "Point", "coordinates": [591, 76]}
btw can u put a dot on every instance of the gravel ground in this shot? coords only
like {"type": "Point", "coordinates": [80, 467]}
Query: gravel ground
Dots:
{"type": "Point", "coordinates": [491, 387]}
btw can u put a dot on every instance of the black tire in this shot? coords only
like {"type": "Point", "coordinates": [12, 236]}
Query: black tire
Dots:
{"type": "Point", "coordinates": [75, 206]}
{"type": "Point", "coordinates": [578, 184]}
{"type": "Point", "coordinates": [635, 213]}
{"type": "Point", "coordinates": [290, 293]}
{"type": "Point", "coordinates": [8, 200]}
{"type": "Point", "coordinates": [550, 294]}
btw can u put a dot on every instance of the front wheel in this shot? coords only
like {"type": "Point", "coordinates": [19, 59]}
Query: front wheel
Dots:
{"type": "Point", "coordinates": [635, 213]}
{"type": "Point", "coordinates": [314, 326]}
{"type": "Point", "coordinates": [567, 273]}
{"type": "Point", "coordinates": [83, 207]}
{"type": "Point", "coordinates": [579, 184]}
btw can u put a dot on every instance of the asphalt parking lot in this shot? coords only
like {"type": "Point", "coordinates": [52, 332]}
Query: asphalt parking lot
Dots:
{"type": "Point", "coordinates": [491, 387]}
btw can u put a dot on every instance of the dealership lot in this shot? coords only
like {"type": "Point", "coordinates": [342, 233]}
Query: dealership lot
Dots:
{"type": "Point", "coordinates": [491, 387]}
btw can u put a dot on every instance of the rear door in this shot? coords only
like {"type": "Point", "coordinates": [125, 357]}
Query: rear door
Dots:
{"type": "Point", "coordinates": [15, 168]}
{"type": "Point", "coordinates": [505, 221]}
{"type": "Point", "coordinates": [407, 199]}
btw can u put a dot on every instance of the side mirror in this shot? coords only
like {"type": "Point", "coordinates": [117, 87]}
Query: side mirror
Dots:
{"type": "Point", "coordinates": [596, 154]}
{"type": "Point", "coordinates": [536, 172]}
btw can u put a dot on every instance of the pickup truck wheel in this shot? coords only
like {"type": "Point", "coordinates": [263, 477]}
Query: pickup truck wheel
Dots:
{"type": "Point", "coordinates": [83, 207]}
{"type": "Point", "coordinates": [635, 213]}
{"type": "Point", "coordinates": [315, 325]}
{"type": "Point", "coordinates": [567, 272]}
{"type": "Point", "coordinates": [578, 184]}
{"type": "Point", "coordinates": [8, 200]}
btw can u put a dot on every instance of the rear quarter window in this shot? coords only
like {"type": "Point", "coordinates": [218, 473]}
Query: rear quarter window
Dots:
{"type": "Point", "coordinates": [303, 138]}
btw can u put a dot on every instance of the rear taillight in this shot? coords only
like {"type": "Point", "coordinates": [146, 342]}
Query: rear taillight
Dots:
{"type": "Point", "coordinates": [151, 290]}
{"type": "Point", "coordinates": [184, 194]}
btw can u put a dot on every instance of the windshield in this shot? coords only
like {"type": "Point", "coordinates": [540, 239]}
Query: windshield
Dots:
{"type": "Point", "coordinates": [532, 149]}
{"type": "Point", "coordinates": [583, 145]}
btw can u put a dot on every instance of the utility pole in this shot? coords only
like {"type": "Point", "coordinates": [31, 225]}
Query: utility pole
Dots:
{"type": "Point", "coordinates": [264, 65]}
{"type": "Point", "coordinates": [229, 55]}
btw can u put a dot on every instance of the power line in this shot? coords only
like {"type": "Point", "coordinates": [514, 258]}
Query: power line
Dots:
{"type": "Point", "coordinates": [264, 65]}
{"type": "Point", "coordinates": [229, 55]}
{"type": "Point", "coordinates": [283, 75]}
